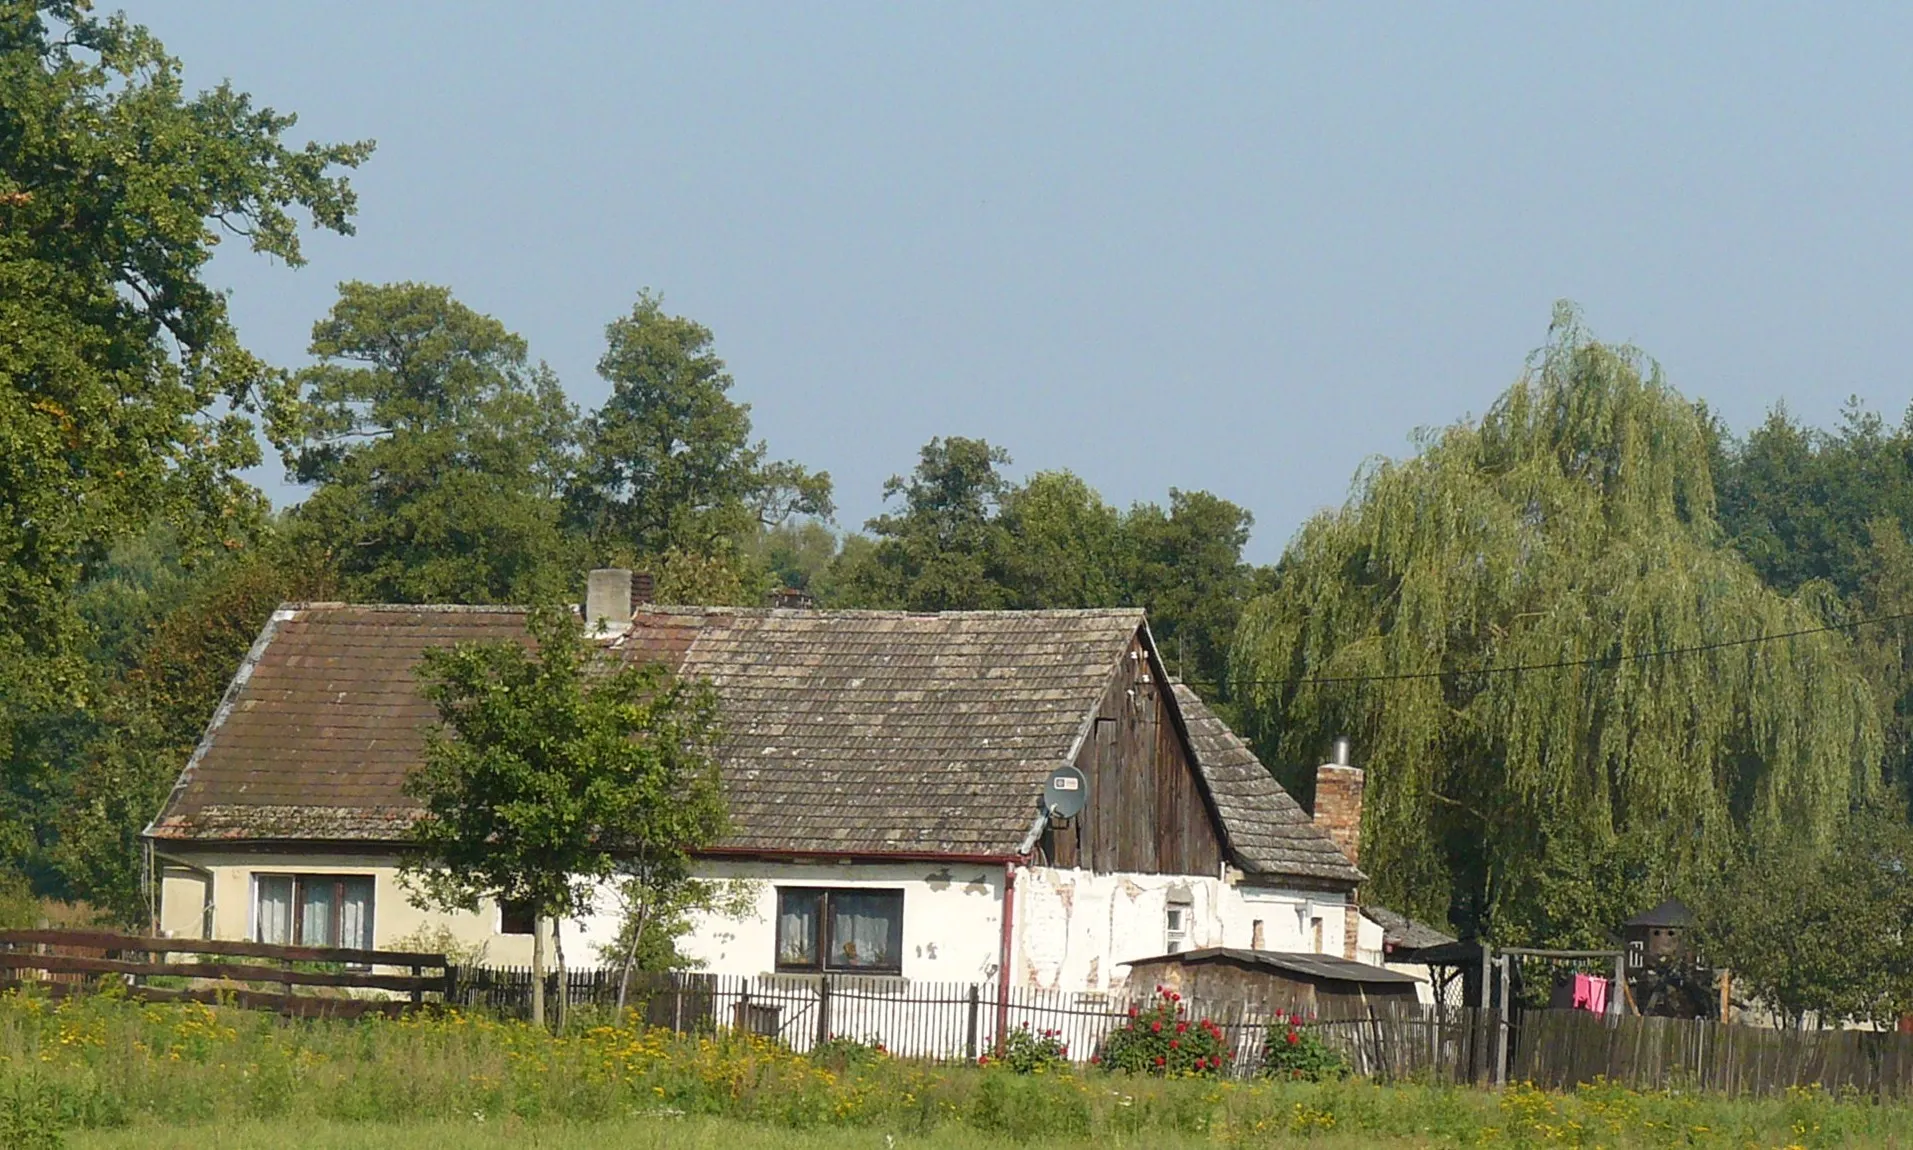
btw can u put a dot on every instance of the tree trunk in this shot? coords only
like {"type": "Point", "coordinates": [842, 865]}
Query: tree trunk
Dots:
{"type": "Point", "coordinates": [631, 952]}
{"type": "Point", "coordinates": [537, 970]}
{"type": "Point", "coordinates": [564, 988]}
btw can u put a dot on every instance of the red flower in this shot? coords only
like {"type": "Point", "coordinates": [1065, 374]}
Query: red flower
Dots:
{"type": "Point", "coordinates": [1095, 1060]}
{"type": "Point", "coordinates": [1158, 1060]}
{"type": "Point", "coordinates": [1133, 1012]}
{"type": "Point", "coordinates": [1182, 1028]}
{"type": "Point", "coordinates": [1174, 997]}
{"type": "Point", "coordinates": [1156, 1027]}
{"type": "Point", "coordinates": [1294, 1038]}
{"type": "Point", "coordinates": [1064, 1051]}
{"type": "Point", "coordinates": [1175, 1044]}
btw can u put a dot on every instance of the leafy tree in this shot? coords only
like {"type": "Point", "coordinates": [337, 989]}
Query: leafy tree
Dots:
{"type": "Point", "coordinates": [1186, 567]}
{"type": "Point", "coordinates": [936, 552]}
{"type": "Point", "coordinates": [552, 770]}
{"type": "Point", "coordinates": [1059, 545]}
{"type": "Point", "coordinates": [1809, 507]}
{"type": "Point", "coordinates": [668, 461]}
{"type": "Point", "coordinates": [1820, 932]}
{"type": "Point", "coordinates": [438, 452]}
{"type": "Point", "coordinates": [125, 394]}
{"type": "Point", "coordinates": [150, 715]}
{"type": "Point", "coordinates": [1572, 530]}
{"type": "Point", "coordinates": [1801, 503]}
{"type": "Point", "coordinates": [655, 913]}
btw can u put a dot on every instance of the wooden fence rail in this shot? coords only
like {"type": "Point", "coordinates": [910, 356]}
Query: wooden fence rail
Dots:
{"type": "Point", "coordinates": [62, 963]}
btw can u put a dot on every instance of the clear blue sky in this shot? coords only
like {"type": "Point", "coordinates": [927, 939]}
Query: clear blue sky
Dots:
{"type": "Point", "coordinates": [1239, 248]}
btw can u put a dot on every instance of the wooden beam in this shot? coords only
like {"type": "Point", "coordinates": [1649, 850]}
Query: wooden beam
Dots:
{"type": "Point", "coordinates": [236, 972]}
{"type": "Point", "coordinates": [108, 940]}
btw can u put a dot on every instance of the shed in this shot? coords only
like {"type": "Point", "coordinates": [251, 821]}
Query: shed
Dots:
{"type": "Point", "coordinates": [1661, 935]}
{"type": "Point", "coordinates": [1316, 985]}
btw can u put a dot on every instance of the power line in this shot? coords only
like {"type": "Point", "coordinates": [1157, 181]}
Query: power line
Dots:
{"type": "Point", "coordinates": [1598, 661]}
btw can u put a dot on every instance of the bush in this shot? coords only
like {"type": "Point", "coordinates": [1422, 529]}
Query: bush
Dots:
{"type": "Point", "coordinates": [1291, 1051]}
{"type": "Point", "coordinates": [1161, 1040]}
{"type": "Point", "coordinates": [1029, 1107]}
{"type": "Point", "coordinates": [841, 1050]}
{"type": "Point", "coordinates": [1027, 1052]}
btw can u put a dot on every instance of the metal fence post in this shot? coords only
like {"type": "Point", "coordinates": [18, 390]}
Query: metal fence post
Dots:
{"type": "Point", "coordinates": [823, 1009]}
{"type": "Point", "coordinates": [976, 1007]}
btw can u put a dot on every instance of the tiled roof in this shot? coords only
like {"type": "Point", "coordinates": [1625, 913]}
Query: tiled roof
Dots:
{"type": "Point", "coordinates": [887, 731]}
{"type": "Point", "coordinates": [844, 731]}
{"type": "Point", "coordinates": [1399, 932]}
{"type": "Point", "coordinates": [1268, 831]}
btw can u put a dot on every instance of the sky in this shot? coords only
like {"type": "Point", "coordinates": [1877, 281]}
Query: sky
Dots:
{"type": "Point", "coordinates": [1240, 248]}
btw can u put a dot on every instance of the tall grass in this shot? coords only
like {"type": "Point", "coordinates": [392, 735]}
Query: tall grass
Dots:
{"type": "Point", "coordinates": [105, 1071]}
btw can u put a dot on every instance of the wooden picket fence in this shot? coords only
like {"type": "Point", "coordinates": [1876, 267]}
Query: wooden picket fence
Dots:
{"type": "Point", "coordinates": [1566, 1048]}
{"type": "Point", "coordinates": [302, 981]}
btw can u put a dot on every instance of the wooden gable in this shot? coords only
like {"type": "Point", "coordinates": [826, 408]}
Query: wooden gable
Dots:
{"type": "Point", "coordinates": [1147, 810]}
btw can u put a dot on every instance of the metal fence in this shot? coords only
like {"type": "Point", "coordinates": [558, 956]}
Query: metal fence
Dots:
{"type": "Point", "coordinates": [960, 1021]}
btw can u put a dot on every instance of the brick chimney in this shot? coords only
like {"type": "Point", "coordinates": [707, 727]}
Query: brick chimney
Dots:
{"type": "Point", "coordinates": [1338, 801]}
{"type": "Point", "coordinates": [608, 601]}
{"type": "Point", "coordinates": [1338, 811]}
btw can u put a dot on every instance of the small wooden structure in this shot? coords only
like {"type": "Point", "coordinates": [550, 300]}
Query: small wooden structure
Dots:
{"type": "Point", "coordinates": [1661, 935]}
{"type": "Point", "coordinates": [1313, 985]}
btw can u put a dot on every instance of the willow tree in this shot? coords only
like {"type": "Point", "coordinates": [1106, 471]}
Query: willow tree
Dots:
{"type": "Point", "coordinates": [1569, 532]}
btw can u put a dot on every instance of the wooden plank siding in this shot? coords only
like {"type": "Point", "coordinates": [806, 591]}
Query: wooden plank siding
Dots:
{"type": "Point", "coordinates": [1147, 812]}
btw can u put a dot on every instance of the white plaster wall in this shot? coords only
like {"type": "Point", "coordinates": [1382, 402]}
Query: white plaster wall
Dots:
{"type": "Point", "coordinates": [394, 913]}
{"type": "Point", "coordinates": [952, 924]}
{"type": "Point", "coordinates": [1076, 929]}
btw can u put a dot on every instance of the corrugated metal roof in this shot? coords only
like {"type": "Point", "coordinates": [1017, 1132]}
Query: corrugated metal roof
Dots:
{"type": "Point", "coordinates": [1323, 966]}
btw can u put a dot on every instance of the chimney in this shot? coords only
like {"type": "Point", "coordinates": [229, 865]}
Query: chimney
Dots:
{"type": "Point", "coordinates": [608, 594]}
{"type": "Point", "coordinates": [1338, 801]}
{"type": "Point", "coordinates": [643, 588]}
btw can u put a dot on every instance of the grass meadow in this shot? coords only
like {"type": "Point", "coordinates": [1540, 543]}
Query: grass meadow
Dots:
{"type": "Point", "coordinates": [104, 1072]}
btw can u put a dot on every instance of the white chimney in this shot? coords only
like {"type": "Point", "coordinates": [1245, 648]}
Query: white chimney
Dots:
{"type": "Point", "coordinates": [608, 601]}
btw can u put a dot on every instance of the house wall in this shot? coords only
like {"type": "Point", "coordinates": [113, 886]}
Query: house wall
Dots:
{"type": "Point", "coordinates": [1076, 929]}
{"type": "Point", "coordinates": [1073, 929]}
{"type": "Point", "coordinates": [952, 915]}
{"type": "Point", "coordinates": [227, 877]}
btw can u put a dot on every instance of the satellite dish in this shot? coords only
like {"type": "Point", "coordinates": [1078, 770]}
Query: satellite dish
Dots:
{"type": "Point", "coordinates": [1066, 793]}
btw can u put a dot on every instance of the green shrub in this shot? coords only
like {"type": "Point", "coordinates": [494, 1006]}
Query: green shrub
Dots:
{"type": "Point", "coordinates": [1290, 1050]}
{"type": "Point", "coordinates": [1163, 1040]}
{"type": "Point", "coordinates": [1025, 1107]}
{"type": "Point", "coordinates": [1029, 1052]}
{"type": "Point", "coordinates": [840, 1051]}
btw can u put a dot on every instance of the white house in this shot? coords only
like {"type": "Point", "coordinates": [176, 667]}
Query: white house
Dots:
{"type": "Point", "coordinates": [882, 769]}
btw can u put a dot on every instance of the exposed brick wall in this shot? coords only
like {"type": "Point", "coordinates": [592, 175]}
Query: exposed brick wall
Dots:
{"type": "Point", "coordinates": [1338, 807]}
{"type": "Point", "coordinates": [1338, 811]}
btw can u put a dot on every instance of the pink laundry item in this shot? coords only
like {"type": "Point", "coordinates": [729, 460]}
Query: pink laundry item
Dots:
{"type": "Point", "coordinates": [1590, 993]}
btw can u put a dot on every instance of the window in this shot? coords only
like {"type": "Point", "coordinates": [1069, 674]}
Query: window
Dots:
{"type": "Point", "coordinates": [854, 931]}
{"type": "Point", "coordinates": [515, 917]}
{"type": "Point", "coordinates": [1176, 927]}
{"type": "Point", "coordinates": [313, 910]}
